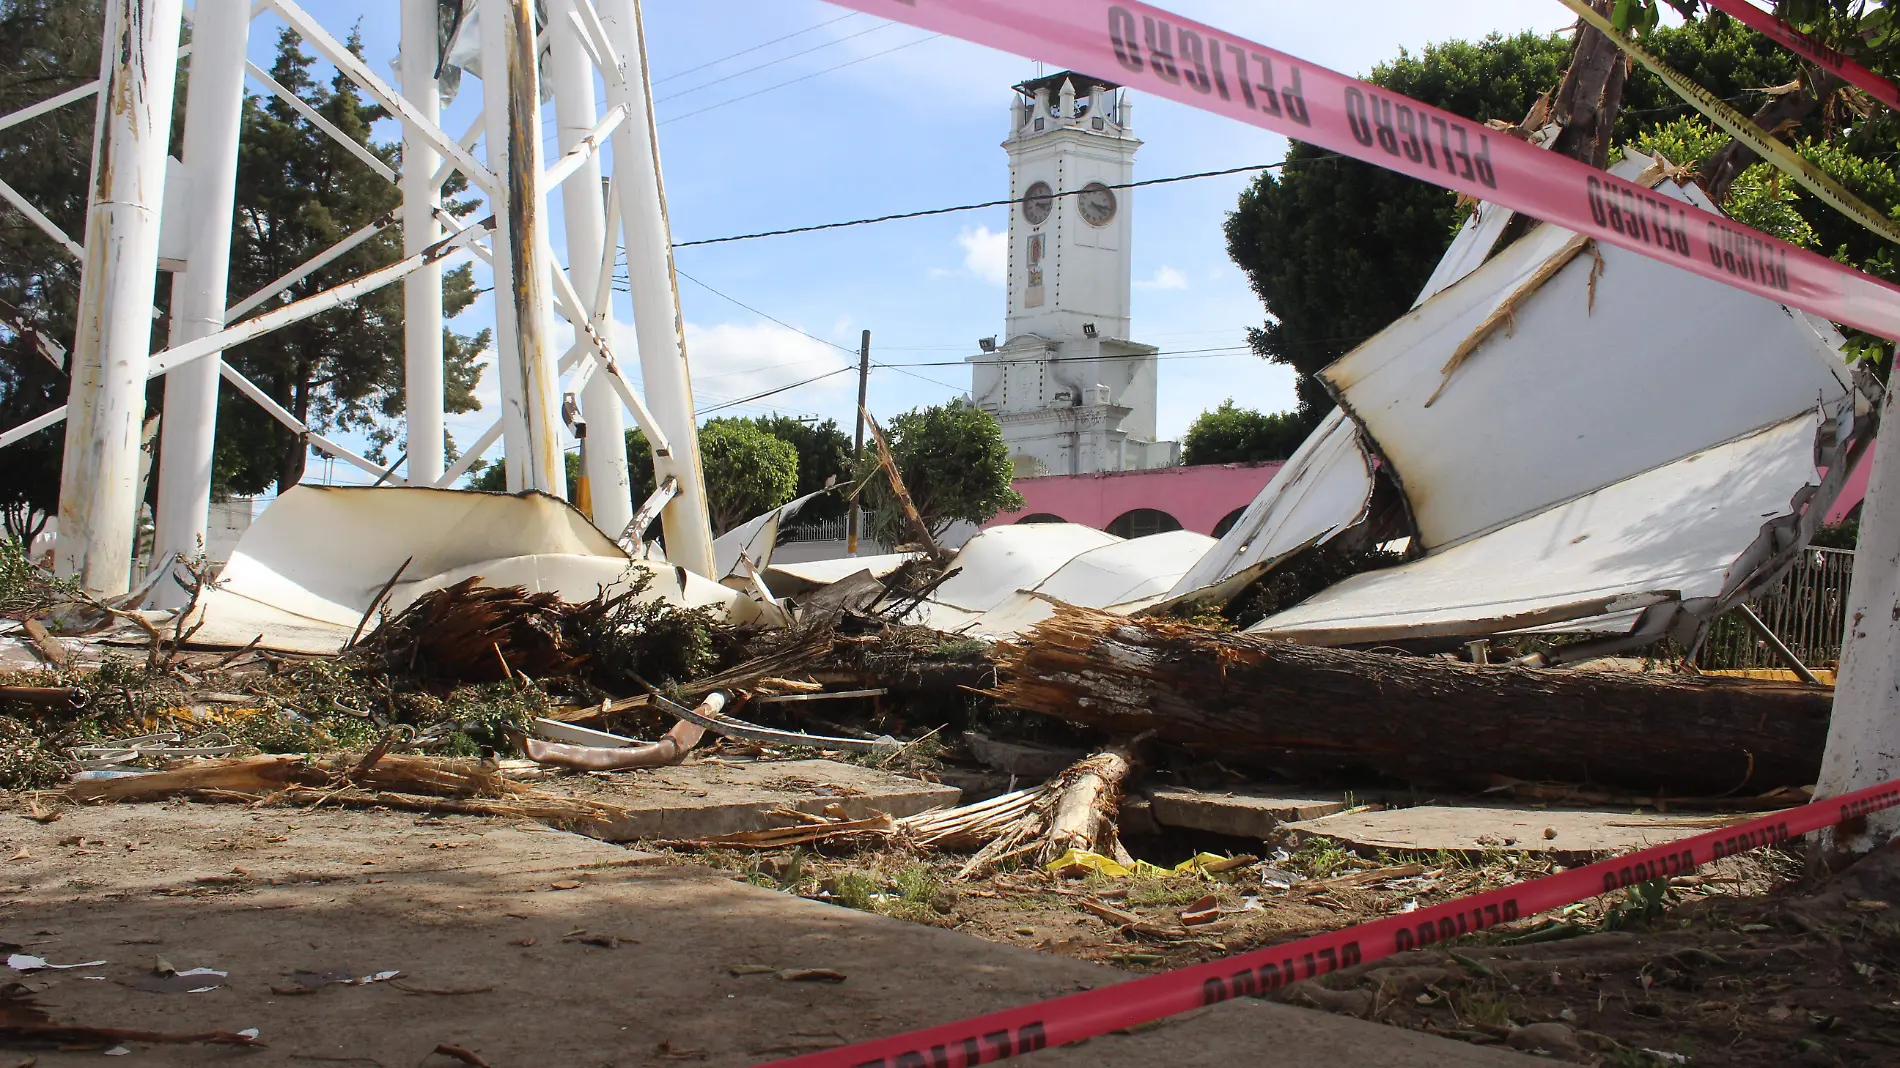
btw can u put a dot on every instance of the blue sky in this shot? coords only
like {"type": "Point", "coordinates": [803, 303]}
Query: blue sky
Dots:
{"type": "Point", "coordinates": [854, 117]}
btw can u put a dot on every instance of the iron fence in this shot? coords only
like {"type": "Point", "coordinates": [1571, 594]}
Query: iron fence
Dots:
{"type": "Point", "coordinates": [823, 530]}
{"type": "Point", "coordinates": [1807, 610]}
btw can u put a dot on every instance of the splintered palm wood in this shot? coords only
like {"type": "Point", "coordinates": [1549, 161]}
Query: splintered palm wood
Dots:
{"type": "Point", "coordinates": [1423, 720]}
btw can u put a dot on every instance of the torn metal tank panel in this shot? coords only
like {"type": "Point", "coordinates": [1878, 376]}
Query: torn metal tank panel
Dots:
{"type": "Point", "coordinates": [305, 573]}
{"type": "Point", "coordinates": [1008, 577]}
{"type": "Point", "coordinates": [1324, 489]}
{"type": "Point", "coordinates": [1582, 433]}
{"type": "Point", "coordinates": [1670, 536]}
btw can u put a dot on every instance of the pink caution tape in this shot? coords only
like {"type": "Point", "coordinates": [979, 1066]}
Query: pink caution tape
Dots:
{"type": "Point", "coordinates": [1059, 1021]}
{"type": "Point", "coordinates": [1800, 43]}
{"type": "Point", "coordinates": [1153, 51]}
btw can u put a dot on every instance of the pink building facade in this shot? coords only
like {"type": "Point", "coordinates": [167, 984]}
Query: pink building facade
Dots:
{"type": "Point", "coordinates": [1205, 499]}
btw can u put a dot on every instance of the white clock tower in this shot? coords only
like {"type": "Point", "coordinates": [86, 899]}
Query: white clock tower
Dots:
{"type": "Point", "coordinates": [1073, 394]}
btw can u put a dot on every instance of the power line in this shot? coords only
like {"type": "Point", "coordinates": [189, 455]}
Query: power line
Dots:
{"type": "Point", "coordinates": [756, 47]}
{"type": "Point", "coordinates": [996, 203]}
{"type": "Point", "coordinates": [801, 78]}
{"type": "Point", "coordinates": [926, 378]}
{"type": "Point", "coordinates": [772, 392]}
{"type": "Point", "coordinates": [759, 313]}
{"type": "Point", "coordinates": [771, 63]}
{"type": "Point", "coordinates": [1172, 354]}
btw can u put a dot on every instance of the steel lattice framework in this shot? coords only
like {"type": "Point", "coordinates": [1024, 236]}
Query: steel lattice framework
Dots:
{"type": "Point", "coordinates": [596, 48]}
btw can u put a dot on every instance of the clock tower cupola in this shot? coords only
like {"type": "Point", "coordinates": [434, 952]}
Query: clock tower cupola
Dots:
{"type": "Point", "coordinates": [1072, 393]}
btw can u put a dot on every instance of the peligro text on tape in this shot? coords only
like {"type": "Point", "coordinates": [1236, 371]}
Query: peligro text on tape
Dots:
{"type": "Point", "coordinates": [1153, 51]}
{"type": "Point", "coordinates": [1743, 129]}
{"type": "Point", "coordinates": [1074, 1017]}
{"type": "Point", "coordinates": [1802, 44]}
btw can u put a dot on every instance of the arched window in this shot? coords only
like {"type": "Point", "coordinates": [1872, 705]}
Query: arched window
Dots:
{"type": "Point", "coordinates": [1227, 521]}
{"type": "Point", "coordinates": [1042, 517]}
{"type": "Point", "coordinates": [1142, 522]}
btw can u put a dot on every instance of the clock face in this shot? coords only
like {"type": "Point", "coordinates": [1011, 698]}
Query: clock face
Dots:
{"type": "Point", "coordinates": [1097, 203]}
{"type": "Point", "coordinates": [1038, 202]}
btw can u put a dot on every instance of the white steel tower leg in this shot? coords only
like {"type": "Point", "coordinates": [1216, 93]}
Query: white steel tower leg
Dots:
{"type": "Point", "coordinates": [113, 343]}
{"type": "Point", "coordinates": [214, 111]}
{"type": "Point", "coordinates": [1863, 735]}
{"type": "Point", "coordinates": [530, 382]}
{"type": "Point", "coordinates": [495, 18]}
{"type": "Point", "coordinates": [576, 111]}
{"type": "Point", "coordinates": [422, 291]}
{"type": "Point", "coordinates": [657, 324]}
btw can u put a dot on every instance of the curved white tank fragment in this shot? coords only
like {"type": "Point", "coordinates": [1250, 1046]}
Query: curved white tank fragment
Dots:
{"type": "Point", "coordinates": [755, 538]}
{"type": "Point", "coordinates": [1607, 370]}
{"type": "Point", "coordinates": [1122, 577]}
{"type": "Point", "coordinates": [1670, 534]}
{"type": "Point", "coordinates": [1322, 490]}
{"type": "Point", "coordinates": [302, 576]}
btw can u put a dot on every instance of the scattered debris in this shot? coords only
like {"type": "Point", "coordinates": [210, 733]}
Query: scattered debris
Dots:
{"type": "Point", "coordinates": [466, 1056]}
{"type": "Point", "coordinates": [26, 962]}
{"type": "Point", "coordinates": [812, 975]}
{"type": "Point", "coordinates": [23, 1020]}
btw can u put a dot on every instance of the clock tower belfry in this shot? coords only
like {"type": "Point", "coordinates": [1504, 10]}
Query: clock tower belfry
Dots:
{"type": "Point", "coordinates": [1073, 394]}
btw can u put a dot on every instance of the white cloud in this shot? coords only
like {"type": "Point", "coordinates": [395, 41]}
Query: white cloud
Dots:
{"type": "Point", "coordinates": [1165, 277]}
{"type": "Point", "coordinates": [731, 360]}
{"type": "Point", "coordinates": [985, 253]}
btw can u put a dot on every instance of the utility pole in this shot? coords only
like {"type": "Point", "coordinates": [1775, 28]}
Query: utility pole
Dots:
{"type": "Point", "coordinates": [852, 518]}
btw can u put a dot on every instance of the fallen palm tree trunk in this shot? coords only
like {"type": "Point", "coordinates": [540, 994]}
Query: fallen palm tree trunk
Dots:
{"type": "Point", "coordinates": [1423, 720]}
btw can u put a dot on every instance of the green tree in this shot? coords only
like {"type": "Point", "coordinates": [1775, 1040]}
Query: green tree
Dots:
{"type": "Point", "coordinates": [1337, 249]}
{"type": "Point", "coordinates": [298, 193]}
{"type": "Point", "coordinates": [1230, 435]}
{"type": "Point", "coordinates": [823, 453]}
{"type": "Point", "coordinates": [955, 467]}
{"type": "Point", "coordinates": [748, 471]}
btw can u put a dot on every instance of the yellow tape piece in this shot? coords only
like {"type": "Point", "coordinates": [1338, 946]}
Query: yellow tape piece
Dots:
{"type": "Point", "coordinates": [1078, 861]}
{"type": "Point", "coordinates": [1740, 127]}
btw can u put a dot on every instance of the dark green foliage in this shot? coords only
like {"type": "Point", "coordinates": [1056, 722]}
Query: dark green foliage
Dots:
{"type": "Point", "coordinates": [748, 471]}
{"type": "Point", "coordinates": [1302, 577]}
{"type": "Point", "coordinates": [638, 642]}
{"type": "Point", "coordinates": [1336, 249]}
{"type": "Point", "coordinates": [1842, 535]}
{"type": "Point", "coordinates": [46, 47]}
{"type": "Point", "coordinates": [1230, 435]}
{"type": "Point", "coordinates": [823, 453]}
{"type": "Point", "coordinates": [955, 467]}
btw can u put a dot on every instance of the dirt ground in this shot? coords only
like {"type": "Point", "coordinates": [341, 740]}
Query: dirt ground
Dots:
{"type": "Point", "coordinates": [526, 946]}
{"type": "Point", "coordinates": [1743, 964]}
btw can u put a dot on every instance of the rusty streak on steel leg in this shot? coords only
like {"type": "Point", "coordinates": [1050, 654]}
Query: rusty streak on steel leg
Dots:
{"type": "Point", "coordinates": [527, 249]}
